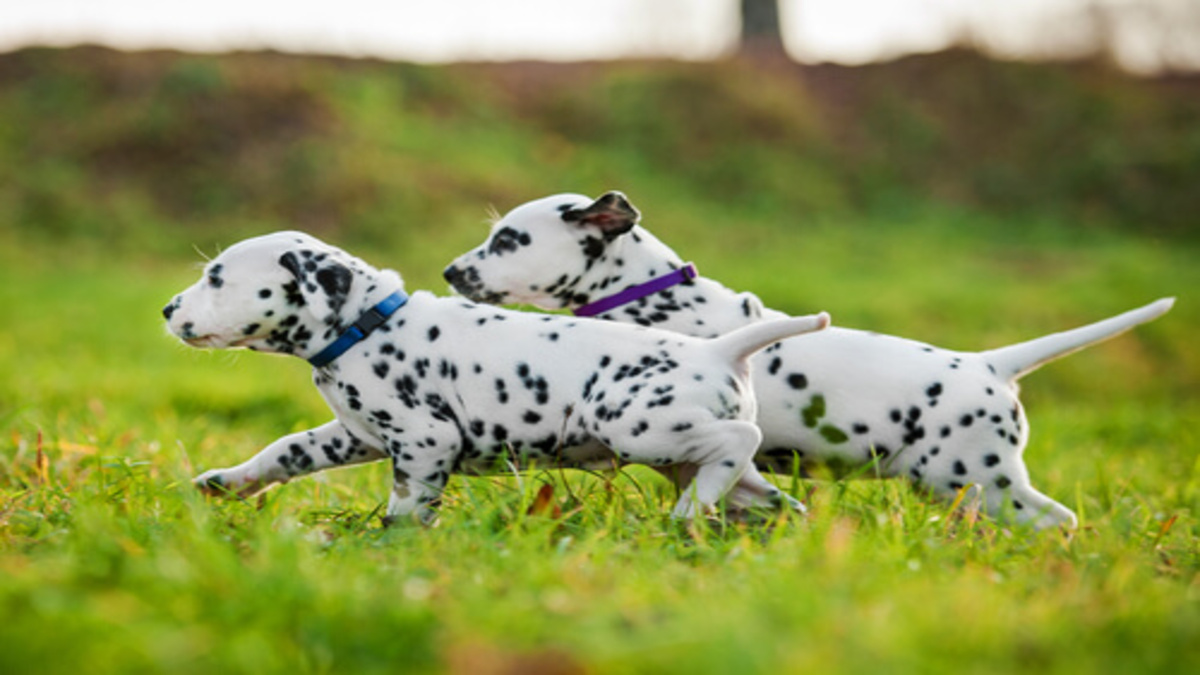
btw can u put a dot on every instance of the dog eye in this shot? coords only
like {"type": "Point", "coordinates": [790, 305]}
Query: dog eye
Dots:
{"type": "Point", "coordinates": [508, 240]}
{"type": "Point", "coordinates": [504, 241]}
{"type": "Point", "coordinates": [214, 276]}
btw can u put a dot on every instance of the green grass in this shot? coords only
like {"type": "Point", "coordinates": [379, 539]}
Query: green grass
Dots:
{"type": "Point", "coordinates": [946, 198]}
{"type": "Point", "coordinates": [111, 562]}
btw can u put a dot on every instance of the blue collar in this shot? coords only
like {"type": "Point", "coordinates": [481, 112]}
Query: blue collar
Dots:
{"type": "Point", "coordinates": [367, 323]}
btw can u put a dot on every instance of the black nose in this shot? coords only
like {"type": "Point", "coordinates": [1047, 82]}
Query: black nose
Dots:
{"type": "Point", "coordinates": [453, 275]}
{"type": "Point", "coordinates": [168, 311]}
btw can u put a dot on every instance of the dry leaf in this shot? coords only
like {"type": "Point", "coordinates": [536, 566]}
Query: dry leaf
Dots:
{"type": "Point", "coordinates": [543, 504]}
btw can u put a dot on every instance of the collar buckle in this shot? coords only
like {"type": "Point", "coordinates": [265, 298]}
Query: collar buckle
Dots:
{"type": "Point", "coordinates": [358, 331]}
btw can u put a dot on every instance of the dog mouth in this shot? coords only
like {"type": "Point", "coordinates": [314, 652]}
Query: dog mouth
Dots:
{"type": "Point", "coordinates": [208, 341]}
{"type": "Point", "coordinates": [214, 341]}
{"type": "Point", "coordinates": [467, 283]}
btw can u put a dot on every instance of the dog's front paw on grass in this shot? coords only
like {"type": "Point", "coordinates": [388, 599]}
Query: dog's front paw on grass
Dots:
{"type": "Point", "coordinates": [216, 484]}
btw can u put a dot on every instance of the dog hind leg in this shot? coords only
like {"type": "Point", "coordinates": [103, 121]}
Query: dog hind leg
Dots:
{"type": "Point", "coordinates": [722, 455]}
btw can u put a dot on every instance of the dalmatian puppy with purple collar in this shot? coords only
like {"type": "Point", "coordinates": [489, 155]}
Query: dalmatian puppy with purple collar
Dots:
{"type": "Point", "coordinates": [947, 421]}
{"type": "Point", "coordinates": [441, 385]}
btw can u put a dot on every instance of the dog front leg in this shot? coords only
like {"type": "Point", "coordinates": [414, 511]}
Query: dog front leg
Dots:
{"type": "Point", "coordinates": [418, 482]}
{"type": "Point", "coordinates": [328, 446]}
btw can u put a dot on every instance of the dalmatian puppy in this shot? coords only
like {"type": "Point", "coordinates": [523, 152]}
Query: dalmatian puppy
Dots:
{"type": "Point", "coordinates": [942, 419]}
{"type": "Point", "coordinates": [441, 385]}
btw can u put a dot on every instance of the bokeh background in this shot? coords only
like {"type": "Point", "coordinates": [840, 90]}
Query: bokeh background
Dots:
{"type": "Point", "coordinates": [967, 174]}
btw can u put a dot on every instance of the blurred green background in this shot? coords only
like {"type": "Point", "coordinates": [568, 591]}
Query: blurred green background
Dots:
{"type": "Point", "coordinates": [950, 198]}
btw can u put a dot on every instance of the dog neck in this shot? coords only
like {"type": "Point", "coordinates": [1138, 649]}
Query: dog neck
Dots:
{"type": "Point", "coordinates": [638, 291]}
{"type": "Point", "coordinates": [316, 324]}
{"type": "Point", "coordinates": [366, 324]}
{"type": "Point", "coordinates": [375, 296]}
{"type": "Point", "coordinates": [698, 306]}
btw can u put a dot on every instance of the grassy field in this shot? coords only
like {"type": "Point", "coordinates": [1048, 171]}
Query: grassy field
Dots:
{"type": "Point", "coordinates": [109, 561]}
{"type": "Point", "coordinates": [966, 203]}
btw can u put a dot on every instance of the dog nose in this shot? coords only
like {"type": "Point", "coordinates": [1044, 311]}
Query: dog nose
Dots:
{"type": "Point", "coordinates": [168, 311]}
{"type": "Point", "coordinates": [453, 275]}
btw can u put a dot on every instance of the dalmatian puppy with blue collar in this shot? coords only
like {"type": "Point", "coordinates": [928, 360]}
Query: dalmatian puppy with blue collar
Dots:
{"type": "Point", "coordinates": [947, 421]}
{"type": "Point", "coordinates": [441, 386]}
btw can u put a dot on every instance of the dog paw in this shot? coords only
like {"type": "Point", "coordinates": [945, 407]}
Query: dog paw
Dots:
{"type": "Point", "coordinates": [216, 484]}
{"type": "Point", "coordinates": [792, 503]}
{"type": "Point", "coordinates": [211, 483]}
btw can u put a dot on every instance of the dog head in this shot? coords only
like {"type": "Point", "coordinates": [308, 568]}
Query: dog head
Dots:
{"type": "Point", "coordinates": [285, 292]}
{"type": "Point", "coordinates": [541, 252]}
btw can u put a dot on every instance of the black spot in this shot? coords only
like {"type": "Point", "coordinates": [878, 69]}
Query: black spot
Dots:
{"type": "Point", "coordinates": [945, 432]}
{"type": "Point", "coordinates": [1018, 505]}
{"type": "Point", "coordinates": [860, 428]}
{"type": "Point", "coordinates": [500, 433]}
{"type": "Point", "coordinates": [664, 401]}
{"type": "Point", "coordinates": [914, 435]}
{"type": "Point", "coordinates": [381, 369]}
{"type": "Point", "coordinates": [960, 469]}
{"type": "Point", "coordinates": [434, 332]}
{"type": "Point", "coordinates": [1003, 482]}
{"type": "Point", "coordinates": [507, 240]}
{"type": "Point", "coordinates": [797, 381]}
{"type": "Point", "coordinates": [934, 390]}
{"type": "Point", "coordinates": [682, 426]}
{"type": "Point", "coordinates": [966, 420]}
{"type": "Point", "coordinates": [896, 415]}
{"type": "Point", "coordinates": [532, 417]}
{"type": "Point", "coordinates": [335, 280]}
{"type": "Point", "coordinates": [593, 247]}
{"type": "Point", "coordinates": [264, 293]}
{"type": "Point", "coordinates": [775, 365]}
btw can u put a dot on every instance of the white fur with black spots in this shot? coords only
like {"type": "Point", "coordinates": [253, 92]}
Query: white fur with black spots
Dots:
{"type": "Point", "coordinates": [943, 419]}
{"type": "Point", "coordinates": [442, 386]}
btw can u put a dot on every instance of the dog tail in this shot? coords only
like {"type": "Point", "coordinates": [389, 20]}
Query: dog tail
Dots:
{"type": "Point", "coordinates": [1016, 361]}
{"type": "Point", "coordinates": [744, 341]}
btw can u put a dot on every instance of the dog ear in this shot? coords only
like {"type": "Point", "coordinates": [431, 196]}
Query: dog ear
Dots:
{"type": "Point", "coordinates": [335, 280]}
{"type": "Point", "coordinates": [291, 263]}
{"type": "Point", "coordinates": [611, 213]}
{"type": "Point", "coordinates": [331, 277]}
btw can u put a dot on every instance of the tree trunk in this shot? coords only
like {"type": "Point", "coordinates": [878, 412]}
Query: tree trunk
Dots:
{"type": "Point", "coordinates": [761, 35]}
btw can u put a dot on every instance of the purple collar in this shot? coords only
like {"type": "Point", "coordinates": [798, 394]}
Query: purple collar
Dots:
{"type": "Point", "coordinates": [676, 277]}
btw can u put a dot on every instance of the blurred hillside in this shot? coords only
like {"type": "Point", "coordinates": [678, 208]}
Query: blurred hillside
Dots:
{"type": "Point", "coordinates": [121, 148]}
